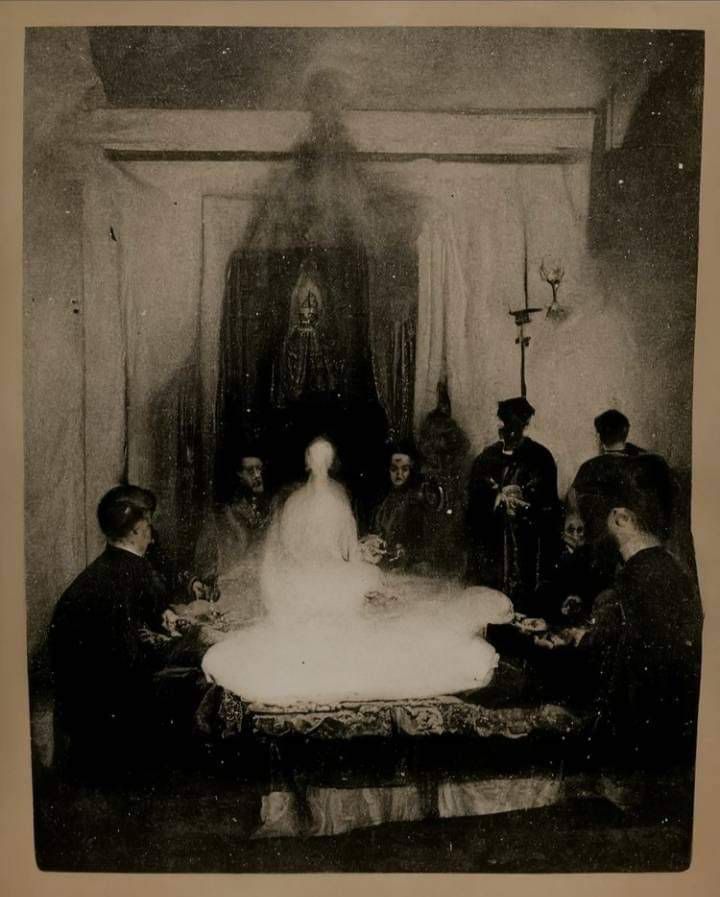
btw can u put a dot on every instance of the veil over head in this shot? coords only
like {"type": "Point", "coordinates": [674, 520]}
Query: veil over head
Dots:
{"type": "Point", "coordinates": [319, 456]}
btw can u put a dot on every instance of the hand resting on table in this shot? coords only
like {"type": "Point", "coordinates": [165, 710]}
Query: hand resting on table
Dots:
{"type": "Point", "coordinates": [570, 637]}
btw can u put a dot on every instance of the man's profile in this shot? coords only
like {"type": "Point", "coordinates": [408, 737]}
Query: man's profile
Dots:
{"type": "Point", "coordinates": [108, 635]}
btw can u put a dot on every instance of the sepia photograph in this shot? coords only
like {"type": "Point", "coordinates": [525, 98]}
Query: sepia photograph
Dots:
{"type": "Point", "coordinates": [358, 413]}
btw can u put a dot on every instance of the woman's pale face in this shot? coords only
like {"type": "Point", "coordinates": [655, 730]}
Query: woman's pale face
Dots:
{"type": "Point", "coordinates": [400, 468]}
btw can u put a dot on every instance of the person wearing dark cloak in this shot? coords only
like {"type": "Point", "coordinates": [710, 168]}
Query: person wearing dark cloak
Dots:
{"type": "Point", "coordinates": [612, 428]}
{"type": "Point", "coordinates": [234, 529]}
{"type": "Point", "coordinates": [635, 667]}
{"type": "Point", "coordinates": [512, 521]}
{"type": "Point", "coordinates": [443, 446]}
{"type": "Point", "coordinates": [110, 632]}
{"type": "Point", "coordinates": [574, 580]}
{"type": "Point", "coordinates": [398, 519]}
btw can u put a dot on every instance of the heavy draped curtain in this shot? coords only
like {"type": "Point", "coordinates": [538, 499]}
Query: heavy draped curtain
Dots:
{"type": "Point", "coordinates": [155, 315]}
{"type": "Point", "coordinates": [480, 222]}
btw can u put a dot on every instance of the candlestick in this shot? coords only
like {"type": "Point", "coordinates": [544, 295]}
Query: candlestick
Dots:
{"type": "Point", "coordinates": [552, 272]}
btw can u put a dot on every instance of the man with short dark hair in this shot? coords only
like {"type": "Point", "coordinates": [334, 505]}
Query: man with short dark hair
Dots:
{"type": "Point", "coordinates": [612, 428]}
{"type": "Point", "coordinates": [234, 530]}
{"type": "Point", "coordinates": [640, 655]}
{"type": "Point", "coordinates": [106, 638]}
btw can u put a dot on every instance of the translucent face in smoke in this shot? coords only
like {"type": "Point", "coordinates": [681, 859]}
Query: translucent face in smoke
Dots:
{"type": "Point", "coordinates": [251, 475]}
{"type": "Point", "coordinates": [319, 457]}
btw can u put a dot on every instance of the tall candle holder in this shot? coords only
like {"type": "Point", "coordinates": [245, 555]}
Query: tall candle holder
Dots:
{"type": "Point", "coordinates": [523, 317]}
{"type": "Point", "coordinates": [552, 272]}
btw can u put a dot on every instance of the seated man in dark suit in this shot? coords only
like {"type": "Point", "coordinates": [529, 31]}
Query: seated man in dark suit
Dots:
{"type": "Point", "coordinates": [636, 666]}
{"type": "Point", "coordinates": [110, 631]}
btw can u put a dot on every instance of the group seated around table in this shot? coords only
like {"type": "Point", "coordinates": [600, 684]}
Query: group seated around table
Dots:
{"type": "Point", "coordinates": [608, 624]}
{"type": "Point", "coordinates": [338, 627]}
{"type": "Point", "coordinates": [632, 661]}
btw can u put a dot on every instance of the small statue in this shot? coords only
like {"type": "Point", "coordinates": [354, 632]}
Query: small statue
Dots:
{"type": "Point", "coordinates": [306, 363]}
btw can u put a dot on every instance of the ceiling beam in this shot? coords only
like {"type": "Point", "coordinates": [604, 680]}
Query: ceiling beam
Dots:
{"type": "Point", "coordinates": [119, 155]}
{"type": "Point", "coordinates": [498, 135]}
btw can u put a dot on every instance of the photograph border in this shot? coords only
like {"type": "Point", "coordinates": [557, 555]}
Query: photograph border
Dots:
{"type": "Point", "coordinates": [20, 875]}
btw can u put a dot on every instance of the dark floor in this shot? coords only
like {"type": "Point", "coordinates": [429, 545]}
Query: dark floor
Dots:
{"type": "Point", "coordinates": [200, 825]}
{"type": "Point", "coordinates": [196, 816]}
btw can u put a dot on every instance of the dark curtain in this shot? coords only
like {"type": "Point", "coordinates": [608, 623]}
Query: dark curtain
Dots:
{"type": "Point", "coordinates": [393, 319]}
{"type": "Point", "coordinates": [256, 324]}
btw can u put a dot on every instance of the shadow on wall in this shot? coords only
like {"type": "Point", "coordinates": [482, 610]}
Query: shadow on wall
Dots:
{"type": "Point", "coordinates": [325, 216]}
{"type": "Point", "coordinates": [646, 198]}
{"type": "Point", "coordinates": [176, 465]}
{"type": "Point", "coordinates": [644, 233]}
{"type": "Point", "coordinates": [644, 225]}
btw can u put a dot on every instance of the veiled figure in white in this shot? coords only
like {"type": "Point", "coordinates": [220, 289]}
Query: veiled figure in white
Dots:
{"type": "Point", "coordinates": [337, 629]}
{"type": "Point", "coordinates": [313, 569]}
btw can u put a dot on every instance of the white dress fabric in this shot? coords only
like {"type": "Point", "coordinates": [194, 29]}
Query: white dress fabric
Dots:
{"type": "Point", "coordinates": [323, 640]}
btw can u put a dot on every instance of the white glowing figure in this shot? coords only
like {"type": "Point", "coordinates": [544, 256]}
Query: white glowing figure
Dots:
{"type": "Point", "coordinates": [336, 629]}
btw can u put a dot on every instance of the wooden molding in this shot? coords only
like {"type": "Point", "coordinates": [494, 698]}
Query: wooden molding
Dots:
{"type": "Point", "coordinates": [497, 136]}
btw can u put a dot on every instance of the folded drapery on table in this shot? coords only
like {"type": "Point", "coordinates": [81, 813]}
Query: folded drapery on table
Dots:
{"type": "Point", "coordinates": [224, 714]}
{"type": "Point", "coordinates": [299, 803]}
{"type": "Point", "coordinates": [334, 811]}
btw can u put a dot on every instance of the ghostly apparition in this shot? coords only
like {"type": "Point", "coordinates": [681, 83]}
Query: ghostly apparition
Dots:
{"type": "Point", "coordinates": [444, 447]}
{"type": "Point", "coordinates": [336, 628]}
{"type": "Point", "coordinates": [307, 364]}
{"type": "Point", "coordinates": [317, 332]}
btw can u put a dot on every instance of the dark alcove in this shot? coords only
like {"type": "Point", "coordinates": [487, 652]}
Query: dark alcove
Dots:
{"type": "Point", "coordinates": [296, 362]}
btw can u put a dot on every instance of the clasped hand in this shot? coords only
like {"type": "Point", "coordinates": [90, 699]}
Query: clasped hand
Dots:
{"type": "Point", "coordinates": [511, 498]}
{"type": "Point", "coordinates": [171, 623]}
{"type": "Point", "coordinates": [372, 549]}
{"type": "Point", "coordinates": [561, 639]}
